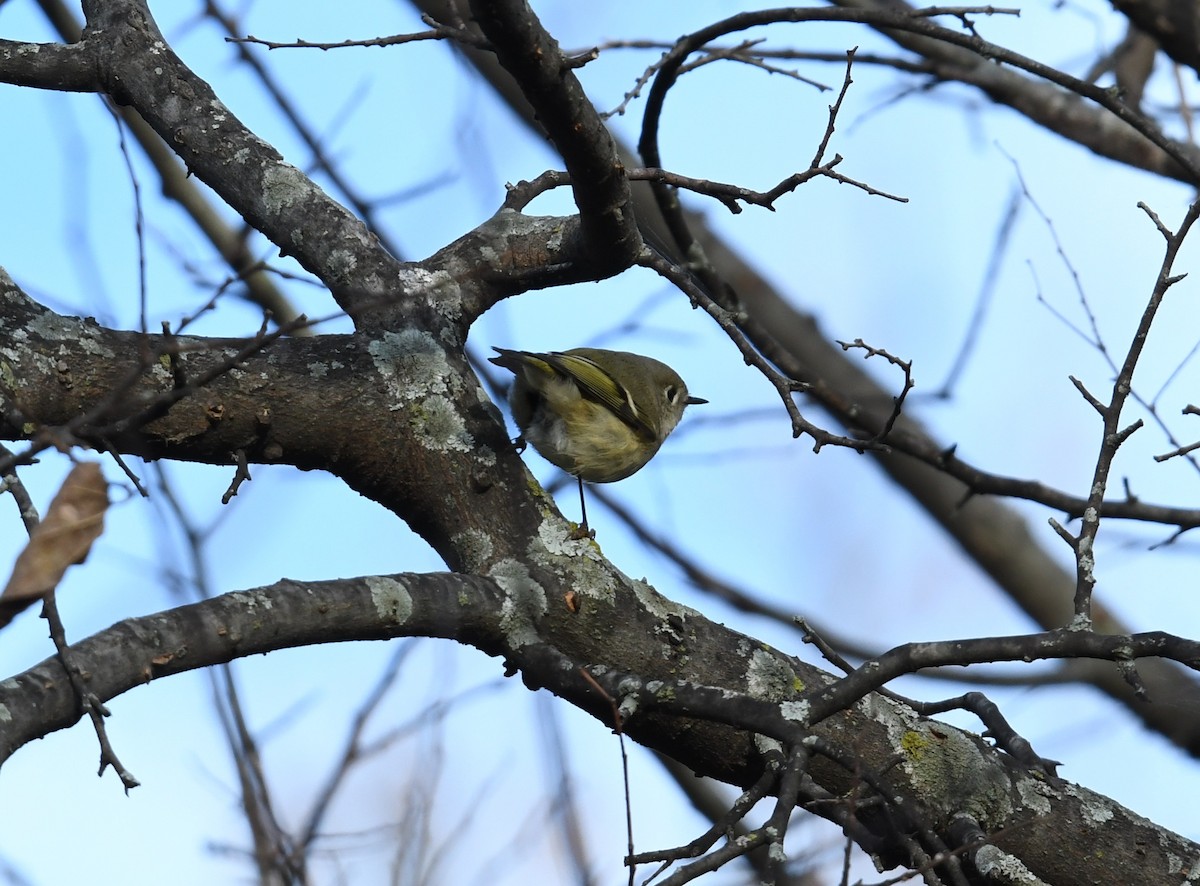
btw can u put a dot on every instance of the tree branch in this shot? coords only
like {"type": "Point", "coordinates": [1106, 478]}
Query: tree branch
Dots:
{"type": "Point", "coordinates": [947, 768]}
{"type": "Point", "coordinates": [601, 189]}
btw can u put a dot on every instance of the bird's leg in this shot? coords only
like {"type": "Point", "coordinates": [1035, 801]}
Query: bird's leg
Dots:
{"type": "Point", "coordinates": [582, 531]}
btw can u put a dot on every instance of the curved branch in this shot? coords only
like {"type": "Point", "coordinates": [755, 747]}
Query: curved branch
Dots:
{"type": "Point", "coordinates": [1043, 820]}
{"type": "Point", "coordinates": [910, 28]}
{"type": "Point", "coordinates": [1061, 644]}
{"type": "Point", "coordinates": [136, 651]}
{"type": "Point", "coordinates": [546, 77]}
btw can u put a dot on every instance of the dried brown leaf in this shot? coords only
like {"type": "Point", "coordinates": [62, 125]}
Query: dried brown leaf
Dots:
{"type": "Point", "coordinates": [74, 520]}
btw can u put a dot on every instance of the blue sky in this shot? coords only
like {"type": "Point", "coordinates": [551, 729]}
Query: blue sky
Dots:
{"type": "Point", "coordinates": [823, 533]}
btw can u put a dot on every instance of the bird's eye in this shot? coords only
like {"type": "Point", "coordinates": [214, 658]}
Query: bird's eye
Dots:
{"type": "Point", "coordinates": [672, 393]}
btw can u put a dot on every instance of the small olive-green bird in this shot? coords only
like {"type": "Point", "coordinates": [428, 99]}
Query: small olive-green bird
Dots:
{"type": "Point", "coordinates": [599, 415]}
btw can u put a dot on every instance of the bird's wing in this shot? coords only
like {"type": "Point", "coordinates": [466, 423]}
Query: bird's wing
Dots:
{"type": "Point", "coordinates": [598, 385]}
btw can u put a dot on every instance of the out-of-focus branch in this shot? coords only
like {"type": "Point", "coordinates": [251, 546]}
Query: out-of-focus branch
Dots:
{"type": "Point", "coordinates": [1069, 115]}
{"type": "Point", "coordinates": [1172, 24]}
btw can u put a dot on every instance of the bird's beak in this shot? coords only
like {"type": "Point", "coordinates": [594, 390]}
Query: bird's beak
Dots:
{"type": "Point", "coordinates": [695, 401]}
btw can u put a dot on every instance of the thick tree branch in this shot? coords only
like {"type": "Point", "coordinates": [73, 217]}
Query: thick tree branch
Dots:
{"type": "Point", "coordinates": [1051, 825]}
{"type": "Point", "coordinates": [70, 68]}
{"type": "Point", "coordinates": [414, 430]}
{"type": "Point", "coordinates": [598, 179]}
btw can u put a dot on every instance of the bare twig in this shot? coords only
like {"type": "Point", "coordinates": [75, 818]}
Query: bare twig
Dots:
{"type": "Point", "coordinates": [437, 31]}
{"type": "Point", "coordinates": [897, 401]}
{"type": "Point", "coordinates": [11, 483]}
{"type": "Point", "coordinates": [240, 475]}
{"type": "Point", "coordinates": [88, 702]}
{"type": "Point", "coordinates": [1114, 435]}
